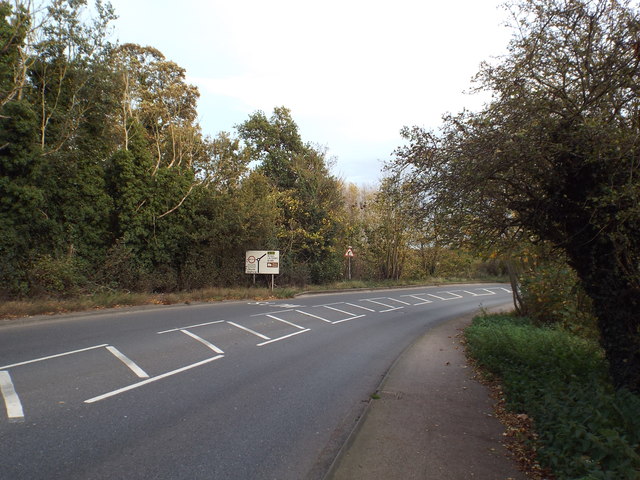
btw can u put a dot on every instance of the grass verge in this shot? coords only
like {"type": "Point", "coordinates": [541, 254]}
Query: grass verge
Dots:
{"type": "Point", "coordinates": [98, 301]}
{"type": "Point", "coordinates": [584, 429]}
{"type": "Point", "coordinates": [112, 299]}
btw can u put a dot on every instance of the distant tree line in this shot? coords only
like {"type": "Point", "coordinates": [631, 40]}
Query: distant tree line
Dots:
{"type": "Point", "coordinates": [107, 181]}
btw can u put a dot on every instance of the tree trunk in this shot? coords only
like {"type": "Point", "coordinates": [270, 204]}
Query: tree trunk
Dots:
{"type": "Point", "coordinates": [617, 306]}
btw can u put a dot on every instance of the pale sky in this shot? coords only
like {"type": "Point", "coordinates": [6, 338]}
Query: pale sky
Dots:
{"type": "Point", "coordinates": [352, 72]}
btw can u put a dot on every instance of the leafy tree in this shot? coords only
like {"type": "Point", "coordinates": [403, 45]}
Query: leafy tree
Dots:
{"type": "Point", "coordinates": [14, 27]}
{"type": "Point", "coordinates": [23, 221]}
{"type": "Point", "coordinates": [554, 155]}
{"type": "Point", "coordinates": [309, 196]}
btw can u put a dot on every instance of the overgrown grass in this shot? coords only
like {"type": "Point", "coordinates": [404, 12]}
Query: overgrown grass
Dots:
{"type": "Point", "coordinates": [111, 299]}
{"type": "Point", "coordinates": [353, 284]}
{"type": "Point", "coordinates": [49, 306]}
{"type": "Point", "coordinates": [586, 430]}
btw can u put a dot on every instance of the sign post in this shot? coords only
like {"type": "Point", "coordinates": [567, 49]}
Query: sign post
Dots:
{"type": "Point", "coordinates": [263, 262]}
{"type": "Point", "coordinates": [349, 255]}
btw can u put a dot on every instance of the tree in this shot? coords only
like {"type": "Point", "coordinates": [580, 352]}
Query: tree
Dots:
{"type": "Point", "coordinates": [554, 155]}
{"type": "Point", "coordinates": [309, 196]}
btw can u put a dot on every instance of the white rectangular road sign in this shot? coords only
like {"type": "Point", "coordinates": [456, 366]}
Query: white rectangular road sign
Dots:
{"type": "Point", "coordinates": [262, 262]}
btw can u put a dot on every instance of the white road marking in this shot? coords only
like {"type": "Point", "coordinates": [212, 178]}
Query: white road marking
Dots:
{"type": "Point", "coordinates": [282, 338]}
{"type": "Point", "coordinates": [202, 341]}
{"type": "Point", "coordinates": [270, 313]}
{"type": "Point", "coordinates": [52, 356]}
{"type": "Point", "coordinates": [348, 319]}
{"type": "Point", "coordinates": [390, 307]}
{"type": "Point", "coordinates": [360, 306]}
{"type": "Point", "coordinates": [150, 380]}
{"type": "Point", "coordinates": [249, 330]}
{"type": "Point", "coordinates": [314, 316]}
{"type": "Point", "coordinates": [423, 302]}
{"type": "Point", "coordinates": [342, 311]}
{"type": "Point", "coordinates": [11, 399]}
{"type": "Point", "coordinates": [128, 362]}
{"type": "Point", "coordinates": [445, 299]}
{"type": "Point", "coordinates": [399, 301]}
{"type": "Point", "coordinates": [285, 321]}
{"type": "Point", "coordinates": [489, 292]}
{"type": "Point", "coordinates": [190, 326]}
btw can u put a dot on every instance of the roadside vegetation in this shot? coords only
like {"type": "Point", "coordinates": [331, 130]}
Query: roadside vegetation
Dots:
{"type": "Point", "coordinates": [17, 308]}
{"type": "Point", "coordinates": [552, 377]}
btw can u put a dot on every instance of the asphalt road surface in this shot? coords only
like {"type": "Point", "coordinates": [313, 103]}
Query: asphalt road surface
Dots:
{"type": "Point", "coordinates": [234, 390]}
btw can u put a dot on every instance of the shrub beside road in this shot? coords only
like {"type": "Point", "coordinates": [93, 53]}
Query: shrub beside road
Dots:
{"type": "Point", "coordinates": [584, 428]}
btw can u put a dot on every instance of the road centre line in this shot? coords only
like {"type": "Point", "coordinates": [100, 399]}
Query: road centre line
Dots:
{"type": "Point", "coordinates": [314, 316]}
{"type": "Point", "coordinates": [284, 321]}
{"type": "Point", "coordinates": [150, 380]}
{"type": "Point", "coordinates": [202, 341]}
{"type": "Point", "coordinates": [128, 362]}
{"type": "Point", "coordinates": [249, 330]}
{"type": "Point", "coordinates": [190, 326]}
{"type": "Point", "coordinates": [41, 359]}
{"type": "Point", "coordinates": [282, 338]}
{"type": "Point", "coordinates": [11, 399]}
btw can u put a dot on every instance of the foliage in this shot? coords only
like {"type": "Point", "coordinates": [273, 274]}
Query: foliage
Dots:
{"type": "Point", "coordinates": [108, 184]}
{"type": "Point", "coordinates": [309, 197]}
{"type": "Point", "coordinates": [585, 428]}
{"type": "Point", "coordinates": [552, 294]}
{"type": "Point", "coordinates": [552, 157]}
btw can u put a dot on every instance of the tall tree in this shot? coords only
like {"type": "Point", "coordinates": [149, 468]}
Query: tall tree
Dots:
{"type": "Point", "coordinates": [310, 196]}
{"type": "Point", "coordinates": [555, 154]}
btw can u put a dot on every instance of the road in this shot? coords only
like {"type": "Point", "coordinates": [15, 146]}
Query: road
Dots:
{"type": "Point", "coordinates": [234, 390]}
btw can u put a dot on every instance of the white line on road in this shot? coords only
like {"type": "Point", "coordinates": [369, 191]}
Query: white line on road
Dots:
{"type": "Point", "coordinates": [489, 292]}
{"type": "Point", "coordinates": [277, 311]}
{"type": "Point", "coordinates": [202, 341]}
{"type": "Point", "coordinates": [313, 316]}
{"type": "Point", "coordinates": [128, 362]}
{"type": "Point", "coordinates": [285, 321]}
{"type": "Point", "coordinates": [52, 356]}
{"type": "Point", "coordinates": [249, 330]}
{"type": "Point", "coordinates": [11, 399]}
{"type": "Point", "coordinates": [342, 311]}
{"type": "Point", "coordinates": [150, 380]}
{"type": "Point", "coordinates": [282, 338]}
{"type": "Point", "coordinates": [360, 306]}
{"type": "Point", "coordinates": [442, 298]}
{"type": "Point", "coordinates": [348, 319]}
{"type": "Point", "coordinates": [390, 307]}
{"type": "Point", "coordinates": [424, 300]}
{"type": "Point", "coordinates": [190, 326]}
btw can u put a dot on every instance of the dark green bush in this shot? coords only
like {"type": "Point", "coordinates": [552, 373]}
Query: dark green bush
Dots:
{"type": "Point", "coordinates": [586, 430]}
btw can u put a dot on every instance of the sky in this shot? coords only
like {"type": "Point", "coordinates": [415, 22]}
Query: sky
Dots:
{"type": "Point", "coordinates": [352, 72]}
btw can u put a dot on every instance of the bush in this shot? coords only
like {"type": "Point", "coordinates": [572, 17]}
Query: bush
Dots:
{"type": "Point", "coordinates": [552, 294]}
{"type": "Point", "coordinates": [57, 277]}
{"type": "Point", "coordinates": [586, 430]}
